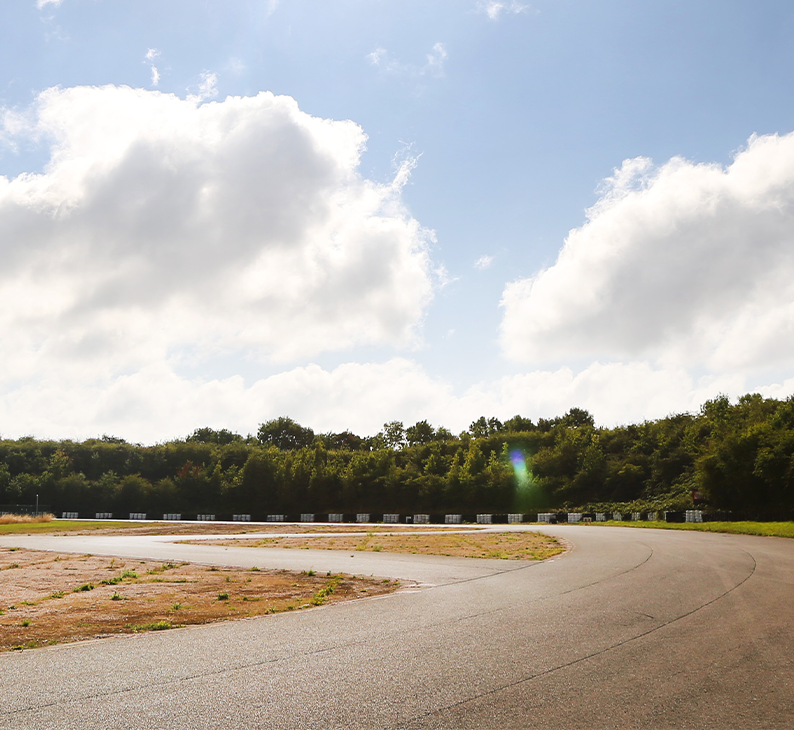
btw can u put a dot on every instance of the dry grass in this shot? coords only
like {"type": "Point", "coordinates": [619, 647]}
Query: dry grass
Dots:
{"type": "Point", "coordinates": [500, 545]}
{"type": "Point", "coordinates": [49, 598]}
{"type": "Point", "coordinates": [11, 519]}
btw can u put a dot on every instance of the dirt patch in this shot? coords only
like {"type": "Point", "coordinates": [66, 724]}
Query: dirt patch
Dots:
{"type": "Point", "coordinates": [500, 545]}
{"type": "Point", "coordinates": [49, 598]}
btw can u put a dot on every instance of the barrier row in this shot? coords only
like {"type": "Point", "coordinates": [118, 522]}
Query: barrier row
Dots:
{"type": "Point", "coordinates": [416, 519]}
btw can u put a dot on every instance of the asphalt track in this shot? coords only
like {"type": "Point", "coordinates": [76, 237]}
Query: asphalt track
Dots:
{"type": "Point", "coordinates": [633, 628]}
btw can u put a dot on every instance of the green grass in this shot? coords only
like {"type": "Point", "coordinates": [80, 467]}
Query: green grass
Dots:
{"type": "Point", "coordinates": [766, 529]}
{"type": "Point", "coordinates": [29, 528]}
{"type": "Point", "coordinates": [155, 626]}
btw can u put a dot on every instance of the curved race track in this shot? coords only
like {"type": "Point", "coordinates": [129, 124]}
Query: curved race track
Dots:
{"type": "Point", "coordinates": [634, 628]}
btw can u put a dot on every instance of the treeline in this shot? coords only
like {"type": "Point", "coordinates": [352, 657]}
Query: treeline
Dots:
{"type": "Point", "coordinates": [740, 457]}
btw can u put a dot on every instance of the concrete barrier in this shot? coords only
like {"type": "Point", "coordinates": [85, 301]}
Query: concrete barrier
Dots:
{"type": "Point", "coordinates": [547, 517]}
{"type": "Point", "coordinates": [515, 519]}
{"type": "Point", "coordinates": [336, 517]}
{"type": "Point", "coordinates": [484, 519]}
{"type": "Point", "coordinates": [307, 517]}
{"type": "Point", "coordinates": [421, 519]}
{"type": "Point", "coordinates": [600, 517]}
{"type": "Point", "coordinates": [693, 515]}
{"type": "Point", "coordinates": [453, 519]}
{"type": "Point", "coordinates": [205, 518]}
{"type": "Point", "coordinates": [69, 515]}
{"type": "Point", "coordinates": [574, 517]}
{"type": "Point", "coordinates": [137, 515]}
{"type": "Point", "coordinates": [391, 518]}
{"type": "Point", "coordinates": [104, 516]}
{"type": "Point", "coordinates": [275, 518]}
{"type": "Point", "coordinates": [241, 518]}
{"type": "Point", "coordinates": [173, 516]}
{"type": "Point", "coordinates": [362, 517]}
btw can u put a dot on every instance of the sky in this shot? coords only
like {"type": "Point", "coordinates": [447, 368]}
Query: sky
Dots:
{"type": "Point", "coordinates": [218, 212]}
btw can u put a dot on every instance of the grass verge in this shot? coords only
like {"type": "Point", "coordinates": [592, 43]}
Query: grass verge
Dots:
{"type": "Point", "coordinates": [766, 529]}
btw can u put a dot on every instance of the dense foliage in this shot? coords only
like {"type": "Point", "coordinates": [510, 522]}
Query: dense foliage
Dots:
{"type": "Point", "coordinates": [740, 456]}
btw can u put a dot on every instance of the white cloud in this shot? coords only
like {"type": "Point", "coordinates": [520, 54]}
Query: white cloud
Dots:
{"type": "Point", "coordinates": [155, 404]}
{"type": "Point", "coordinates": [688, 265]}
{"type": "Point", "coordinates": [433, 66]}
{"type": "Point", "coordinates": [164, 230]}
{"type": "Point", "coordinates": [494, 8]}
{"type": "Point", "coordinates": [207, 87]}
{"type": "Point", "coordinates": [151, 55]}
{"type": "Point", "coordinates": [41, 3]}
{"type": "Point", "coordinates": [483, 262]}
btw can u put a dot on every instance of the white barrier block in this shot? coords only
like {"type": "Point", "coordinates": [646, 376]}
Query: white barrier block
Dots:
{"type": "Point", "coordinates": [275, 518]}
{"type": "Point", "coordinates": [453, 519]}
{"type": "Point", "coordinates": [362, 517]}
{"type": "Point", "coordinates": [514, 519]}
{"type": "Point", "coordinates": [574, 517]}
{"type": "Point", "coordinates": [484, 519]}
{"type": "Point", "coordinates": [336, 517]}
{"type": "Point", "coordinates": [421, 519]}
{"type": "Point", "coordinates": [307, 517]}
{"type": "Point", "coordinates": [391, 518]}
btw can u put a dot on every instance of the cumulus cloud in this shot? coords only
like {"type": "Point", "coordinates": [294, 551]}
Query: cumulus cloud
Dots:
{"type": "Point", "coordinates": [155, 403]}
{"type": "Point", "coordinates": [686, 265]}
{"type": "Point", "coordinates": [166, 230]}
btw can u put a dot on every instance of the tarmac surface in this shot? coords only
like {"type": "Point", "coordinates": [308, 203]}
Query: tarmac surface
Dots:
{"type": "Point", "coordinates": [633, 628]}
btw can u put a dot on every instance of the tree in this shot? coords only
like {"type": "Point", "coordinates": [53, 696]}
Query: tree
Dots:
{"type": "Point", "coordinates": [394, 435]}
{"type": "Point", "coordinates": [284, 434]}
{"type": "Point", "coordinates": [420, 433]}
{"type": "Point", "coordinates": [211, 436]}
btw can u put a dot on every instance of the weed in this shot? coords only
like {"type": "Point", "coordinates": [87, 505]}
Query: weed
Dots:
{"type": "Point", "coordinates": [154, 626]}
{"type": "Point", "coordinates": [311, 572]}
{"type": "Point", "coordinates": [111, 581]}
{"type": "Point", "coordinates": [129, 574]}
{"type": "Point", "coordinates": [212, 569]}
{"type": "Point", "coordinates": [12, 566]}
{"type": "Point", "coordinates": [12, 550]}
{"type": "Point", "coordinates": [26, 622]}
{"type": "Point", "coordinates": [84, 587]}
{"type": "Point", "coordinates": [254, 569]}
{"type": "Point", "coordinates": [223, 596]}
{"type": "Point", "coordinates": [29, 603]}
{"type": "Point", "coordinates": [321, 596]}
{"type": "Point", "coordinates": [176, 606]}
{"type": "Point", "coordinates": [116, 596]}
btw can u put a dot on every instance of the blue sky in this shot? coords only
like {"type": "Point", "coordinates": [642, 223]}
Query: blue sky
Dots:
{"type": "Point", "coordinates": [422, 273]}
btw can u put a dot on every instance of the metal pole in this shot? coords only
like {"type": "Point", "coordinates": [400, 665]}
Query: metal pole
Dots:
{"type": "Point", "coordinates": [37, 505]}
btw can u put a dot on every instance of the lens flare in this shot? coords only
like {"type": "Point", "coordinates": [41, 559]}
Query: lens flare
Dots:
{"type": "Point", "coordinates": [520, 469]}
